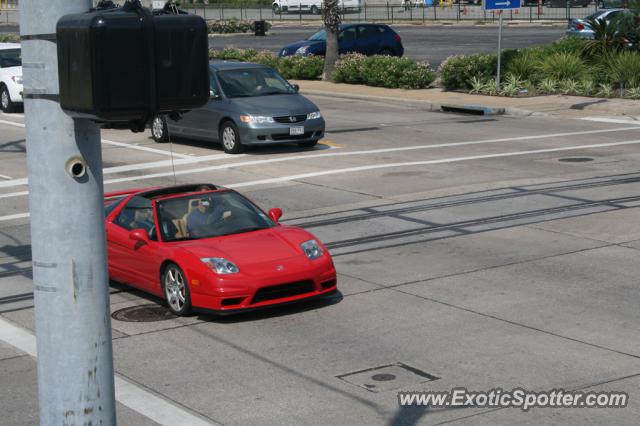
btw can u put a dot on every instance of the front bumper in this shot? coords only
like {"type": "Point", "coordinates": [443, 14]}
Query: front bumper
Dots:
{"type": "Point", "coordinates": [300, 281]}
{"type": "Point", "coordinates": [15, 92]}
{"type": "Point", "coordinates": [277, 133]}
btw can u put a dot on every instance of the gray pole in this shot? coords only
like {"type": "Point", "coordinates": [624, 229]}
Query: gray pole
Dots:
{"type": "Point", "coordinates": [499, 50]}
{"type": "Point", "coordinates": [73, 325]}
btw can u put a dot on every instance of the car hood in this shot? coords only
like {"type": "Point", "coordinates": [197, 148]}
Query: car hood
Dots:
{"type": "Point", "coordinates": [275, 105]}
{"type": "Point", "coordinates": [292, 47]}
{"type": "Point", "coordinates": [250, 248]}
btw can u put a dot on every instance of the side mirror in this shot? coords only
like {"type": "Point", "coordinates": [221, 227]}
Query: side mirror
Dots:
{"type": "Point", "coordinates": [275, 214]}
{"type": "Point", "coordinates": [139, 235]}
{"type": "Point", "coordinates": [296, 87]}
{"type": "Point", "coordinates": [213, 95]}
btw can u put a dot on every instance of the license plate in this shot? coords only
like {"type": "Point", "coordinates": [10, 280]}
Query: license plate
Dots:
{"type": "Point", "coordinates": [296, 130]}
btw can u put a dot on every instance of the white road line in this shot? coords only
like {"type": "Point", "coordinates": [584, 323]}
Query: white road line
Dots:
{"type": "Point", "coordinates": [120, 144]}
{"type": "Point", "coordinates": [6, 177]}
{"type": "Point", "coordinates": [127, 393]}
{"type": "Point", "coordinates": [365, 152]}
{"type": "Point", "coordinates": [611, 120]}
{"type": "Point", "coordinates": [145, 148]}
{"type": "Point", "coordinates": [403, 164]}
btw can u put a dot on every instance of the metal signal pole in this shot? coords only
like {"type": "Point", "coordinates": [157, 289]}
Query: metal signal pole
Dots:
{"type": "Point", "coordinates": [73, 325]}
{"type": "Point", "coordinates": [499, 50]}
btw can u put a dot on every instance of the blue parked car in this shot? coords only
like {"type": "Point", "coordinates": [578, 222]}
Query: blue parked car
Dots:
{"type": "Point", "coordinates": [368, 39]}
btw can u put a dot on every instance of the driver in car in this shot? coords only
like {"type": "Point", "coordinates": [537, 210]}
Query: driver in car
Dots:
{"type": "Point", "coordinates": [204, 214]}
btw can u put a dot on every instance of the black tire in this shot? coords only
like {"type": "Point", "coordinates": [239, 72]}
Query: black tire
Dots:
{"type": "Point", "coordinates": [307, 144]}
{"type": "Point", "coordinates": [159, 129]}
{"type": "Point", "coordinates": [314, 10]}
{"type": "Point", "coordinates": [6, 104]}
{"type": "Point", "coordinates": [176, 290]}
{"type": "Point", "coordinates": [386, 52]}
{"type": "Point", "coordinates": [276, 9]}
{"type": "Point", "coordinates": [229, 138]}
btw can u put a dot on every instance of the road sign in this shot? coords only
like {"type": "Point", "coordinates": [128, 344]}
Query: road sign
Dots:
{"type": "Point", "coordinates": [501, 4]}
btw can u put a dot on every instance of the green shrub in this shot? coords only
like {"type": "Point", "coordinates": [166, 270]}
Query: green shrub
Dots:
{"type": "Point", "coordinates": [476, 85]}
{"type": "Point", "coordinates": [233, 25]}
{"type": "Point", "coordinates": [624, 68]}
{"type": "Point", "coordinates": [295, 67]}
{"type": "Point", "coordinates": [525, 65]}
{"type": "Point", "coordinates": [512, 85]}
{"type": "Point", "coordinates": [570, 87]}
{"type": "Point", "coordinates": [300, 67]}
{"type": "Point", "coordinates": [570, 45]}
{"type": "Point", "coordinates": [9, 38]}
{"type": "Point", "coordinates": [383, 71]}
{"type": "Point", "coordinates": [588, 87]}
{"type": "Point", "coordinates": [633, 93]}
{"type": "Point", "coordinates": [605, 90]}
{"type": "Point", "coordinates": [350, 69]}
{"type": "Point", "coordinates": [563, 66]}
{"type": "Point", "coordinates": [548, 86]}
{"type": "Point", "coordinates": [244, 55]}
{"type": "Point", "coordinates": [456, 71]}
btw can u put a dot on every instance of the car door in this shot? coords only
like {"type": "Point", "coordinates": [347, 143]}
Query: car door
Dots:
{"type": "Point", "coordinates": [347, 40]}
{"type": "Point", "coordinates": [135, 262]}
{"type": "Point", "coordinates": [202, 123]}
{"type": "Point", "coordinates": [368, 40]}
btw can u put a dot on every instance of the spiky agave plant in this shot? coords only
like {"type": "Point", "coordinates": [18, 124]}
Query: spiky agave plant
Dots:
{"type": "Point", "coordinates": [606, 37]}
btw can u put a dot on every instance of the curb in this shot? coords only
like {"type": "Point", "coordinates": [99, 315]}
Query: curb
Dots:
{"type": "Point", "coordinates": [425, 105]}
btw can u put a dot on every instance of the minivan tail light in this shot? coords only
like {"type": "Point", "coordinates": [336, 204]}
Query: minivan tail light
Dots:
{"type": "Point", "coordinates": [397, 37]}
{"type": "Point", "coordinates": [579, 26]}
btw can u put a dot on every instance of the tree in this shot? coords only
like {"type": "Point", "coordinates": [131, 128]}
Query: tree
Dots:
{"type": "Point", "coordinates": [331, 18]}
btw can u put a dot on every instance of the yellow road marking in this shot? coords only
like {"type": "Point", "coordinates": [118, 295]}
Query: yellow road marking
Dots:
{"type": "Point", "coordinates": [330, 143]}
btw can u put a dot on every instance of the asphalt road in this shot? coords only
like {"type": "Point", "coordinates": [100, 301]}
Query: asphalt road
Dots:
{"type": "Point", "coordinates": [466, 249]}
{"type": "Point", "coordinates": [425, 43]}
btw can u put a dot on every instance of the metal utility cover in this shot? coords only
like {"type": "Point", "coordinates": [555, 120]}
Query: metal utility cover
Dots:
{"type": "Point", "coordinates": [387, 377]}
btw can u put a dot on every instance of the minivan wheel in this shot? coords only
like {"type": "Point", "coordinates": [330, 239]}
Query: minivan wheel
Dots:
{"type": "Point", "coordinates": [159, 130]}
{"type": "Point", "coordinates": [5, 100]}
{"type": "Point", "coordinates": [314, 10]}
{"type": "Point", "coordinates": [230, 138]}
{"type": "Point", "coordinates": [276, 9]}
{"type": "Point", "coordinates": [386, 52]}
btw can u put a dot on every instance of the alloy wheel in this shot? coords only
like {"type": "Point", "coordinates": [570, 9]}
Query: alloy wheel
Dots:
{"type": "Point", "coordinates": [175, 289]}
{"type": "Point", "coordinates": [229, 138]}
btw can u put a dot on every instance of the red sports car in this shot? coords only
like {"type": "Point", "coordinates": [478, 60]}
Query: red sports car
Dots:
{"type": "Point", "coordinates": [210, 249]}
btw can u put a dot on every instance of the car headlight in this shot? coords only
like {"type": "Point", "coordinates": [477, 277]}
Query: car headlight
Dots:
{"type": "Point", "coordinates": [256, 119]}
{"type": "Point", "coordinates": [312, 249]}
{"type": "Point", "coordinates": [17, 79]}
{"type": "Point", "coordinates": [302, 50]}
{"type": "Point", "coordinates": [314, 115]}
{"type": "Point", "coordinates": [221, 265]}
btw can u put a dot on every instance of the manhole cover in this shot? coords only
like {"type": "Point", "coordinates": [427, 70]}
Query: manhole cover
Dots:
{"type": "Point", "coordinates": [383, 377]}
{"type": "Point", "coordinates": [143, 313]}
{"type": "Point", "coordinates": [576, 159]}
{"type": "Point", "coordinates": [387, 377]}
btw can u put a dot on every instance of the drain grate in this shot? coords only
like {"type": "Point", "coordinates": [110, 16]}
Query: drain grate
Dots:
{"type": "Point", "coordinates": [387, 377]}
{"type": "Point", "coordinates": [576, 159]}
{"type": "Point", "coordinates": [143, 313]}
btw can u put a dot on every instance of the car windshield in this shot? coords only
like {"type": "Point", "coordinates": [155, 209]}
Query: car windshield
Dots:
{"type": "Point", "coordinates": [319, 36]}
{"type": "Point", "coordinates": [10, 58]}
{"type": "Point", "coordinates": [209, 214]}
{"type": "Point", "coordinates": [253, 82]}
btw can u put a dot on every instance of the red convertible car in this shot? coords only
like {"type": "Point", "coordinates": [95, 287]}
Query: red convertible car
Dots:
{"type": "Point", "coordinates": [209, 249]}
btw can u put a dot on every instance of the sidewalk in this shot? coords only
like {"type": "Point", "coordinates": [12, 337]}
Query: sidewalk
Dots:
{"type": "Point", "coordinates": [441, 100]}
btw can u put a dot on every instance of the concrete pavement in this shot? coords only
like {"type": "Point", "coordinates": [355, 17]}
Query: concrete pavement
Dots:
{"type": "Point", "coordinates": [441, 100]}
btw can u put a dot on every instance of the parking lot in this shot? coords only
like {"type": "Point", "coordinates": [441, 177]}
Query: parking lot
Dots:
{"type": "Point", "coordinates": [472, 251]}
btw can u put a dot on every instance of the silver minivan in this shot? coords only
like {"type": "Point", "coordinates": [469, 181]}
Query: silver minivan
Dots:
{"type": "Point", "coordinates": [250, 104]}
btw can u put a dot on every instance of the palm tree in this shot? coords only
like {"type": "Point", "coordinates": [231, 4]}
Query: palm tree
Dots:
{"type": "Point", "coordinates": [331, 18]}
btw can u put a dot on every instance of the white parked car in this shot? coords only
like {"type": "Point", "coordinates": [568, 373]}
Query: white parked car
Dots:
{"type": "Point", "coordinates": [312, 6]}
{"type": "Point", "coordinates": [10, 76]}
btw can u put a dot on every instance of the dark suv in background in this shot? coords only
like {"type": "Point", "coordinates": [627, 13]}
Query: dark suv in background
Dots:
{"type": "Point", "coordinates": [368, 39]}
